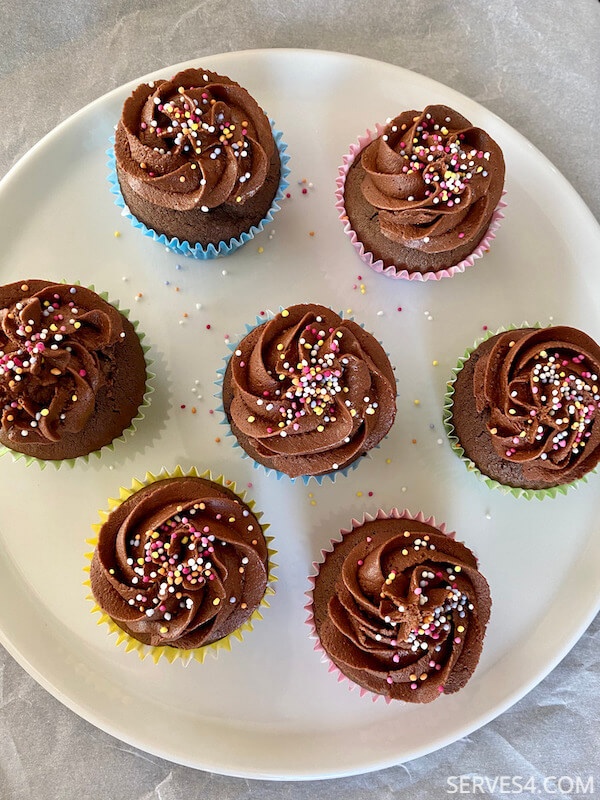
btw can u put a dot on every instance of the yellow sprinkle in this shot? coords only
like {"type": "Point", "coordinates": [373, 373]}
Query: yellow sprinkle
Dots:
{"type": "Point", "coordinates": [310, 494]}
{"type": "Point", "coordinates": [460, 628]}
{"type": "Point", "coordinates": [435, 362]}
{"type": "Point", "coordinates": [413, 677]}
{"type": "Point", "coordinates": [320, 428]}
{"type": "Point", "coordinates": [44, 412]}
{"type": "Point", "coordinates": [77, 325]}
{"type": "Point", "coordinates": [182, 178]}
{"type": "Point", "coordinates": [251, 419]}
{"type": "Point", "coordinates": [348, 311]}
{"type": "Point", "coordinates": [231, 519]}
{"type": "Point", "coordinates": [285, 313]}
{"type": "Point", "coordinates": [261, 249]}
{"type": "Point", "coordinates": [313, 502]}
{"type": "Point", "coordinates": [388, 461]}
{"type": "Point", "coordinates": [457, 569]}
{"type": "Point", "coordinates": [117, 234]}
{"type": "Point", "coordinates": [405, 552]}
{"type": "Point", "coordinates": [74, 398]}
{"type": "Point", "coordinates": [164, 629]}
{"type": "Point", "coordinates": [417, 402]}
{"type": "Point", "coordinates": [359, 494]}
{"type": "Point", "coordinates": [24, 287]}
{"type": "Point", "coordinates": [362, 288]}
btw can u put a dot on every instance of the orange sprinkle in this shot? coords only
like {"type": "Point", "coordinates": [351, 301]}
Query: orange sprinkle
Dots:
{"type": "Point", "coordinates": [218, 439]}
{"type": "Point", "coordinates": [193, 409]}
{"type": "Point", "coordinates": [414, 441]}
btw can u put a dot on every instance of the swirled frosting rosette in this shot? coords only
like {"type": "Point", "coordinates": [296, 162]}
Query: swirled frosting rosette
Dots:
{"type": "Point", "coordinates": [72, 371]}
{"type": "Point", "coordinates": [420, 197]}
{"type": "Point", "coordinates": [307, 393]}
{"type": "Point", "coordinates": [180, 565]}
{"type": "Point", "coordinates": [523, 409]}
{"type": "Point", "coordinates": [399, 608]}
{"type": "Point", "coordinates": [196, 163]}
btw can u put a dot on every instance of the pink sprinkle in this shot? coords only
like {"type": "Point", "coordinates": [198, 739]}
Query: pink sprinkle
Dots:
{"type": "Point", "coordinates": [457, 640]}
{"type": "Point", "coordinates": [413, 686]}
{"type": "Point", "coordinates": [395, 658]}
{"type": "Point", "coordinates": [440, 689]}
{"type": "Point", "coordinates": [460, 235]}
{"type": "Point", "coordinates": [83, 373]}
{"type": "Point", "coordinates": [417, 590]}
{"type": "Point", "coordinates": [249, 485]}
{"type": "Point", "coordinates": [389, 679]}
{"type": "Point", "coordinates": [360, 562]}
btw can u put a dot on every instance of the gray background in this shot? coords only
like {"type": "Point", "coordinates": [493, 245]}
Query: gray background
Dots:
{"type": "Point", "coordinates": [535, 63]}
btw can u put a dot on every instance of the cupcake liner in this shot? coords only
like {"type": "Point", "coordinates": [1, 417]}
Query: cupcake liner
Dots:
{"type": "Point", "coordinates": [528, 494]}
{"type": "Point", "coordinates": [229, 433]}
{"type": "Point", "coordinates": [310, 618]}
{"type": "Point", "coordinates": [378, 265]}
{"type": "Point", "coordinates": [173, 653]}
{"type": "Point", "coordinates": [130, 430]}
{"type": "Point", "coordinates": [184, 248]}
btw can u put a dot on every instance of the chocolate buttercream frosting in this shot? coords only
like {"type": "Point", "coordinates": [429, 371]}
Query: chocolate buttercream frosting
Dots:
{"type": "Point", "coordinates": [72, 370]}
{"type": "Point", "coordinates": [308, 392]}
{"type": "Point", "coordinates": [421, 195]}
{"type": "Point", "coordinates": [527, 411]}
{"type": "Point", "coordinates": [401, 609]}
{"type": "Point", "coordinates": [183, 562]}
{"type": "Point", "coordinates": [191, 146]}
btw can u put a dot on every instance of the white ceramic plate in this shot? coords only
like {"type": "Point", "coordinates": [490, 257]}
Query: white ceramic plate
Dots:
{"type": "Point", "coordinates": [269, 708]}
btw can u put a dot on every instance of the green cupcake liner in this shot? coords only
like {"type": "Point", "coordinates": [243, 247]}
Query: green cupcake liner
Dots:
{"type": "Point", "coordinates": [130, 430]}
{"type": "Point", "coordinates": [528, 494]}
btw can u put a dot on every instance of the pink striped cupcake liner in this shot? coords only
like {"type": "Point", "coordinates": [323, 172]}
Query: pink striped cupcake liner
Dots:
{"type": "Point", "coordinates": [378, 265]}
{"type": "Point", "coordinates": [310, 618]}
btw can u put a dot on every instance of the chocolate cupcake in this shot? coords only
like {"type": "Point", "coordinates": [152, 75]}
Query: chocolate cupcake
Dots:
{"type": "Point", "coordinates": [423, 194]}
{"type": "Point", "coordinates": [180, 564]}
{"type": "Point", "coordinates": [307, 393]}
{"type": "Point", "coordinates": [197, 162]}
{"type": "Point", "coordinates": [524, 408]}
{"type": "Point", "coordinates": [72, 370]}
{"type": "Point", "coordinates": [400, 608]}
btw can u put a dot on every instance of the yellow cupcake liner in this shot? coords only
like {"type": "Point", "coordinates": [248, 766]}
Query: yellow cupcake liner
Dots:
{"type": "Point", "coordinates": [131, 428]}
{"type": "Point", "coordinates": [172, 654]}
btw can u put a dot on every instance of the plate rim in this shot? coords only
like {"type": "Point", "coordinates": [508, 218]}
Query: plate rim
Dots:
{"type": "Point", "coordinates": [587, 618]}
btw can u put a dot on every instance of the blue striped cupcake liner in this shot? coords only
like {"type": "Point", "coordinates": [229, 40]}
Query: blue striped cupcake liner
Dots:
{"type": "Point", "coordinates": [184, 248]}
{"type": "Point", "coordinates": [331, 476]}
